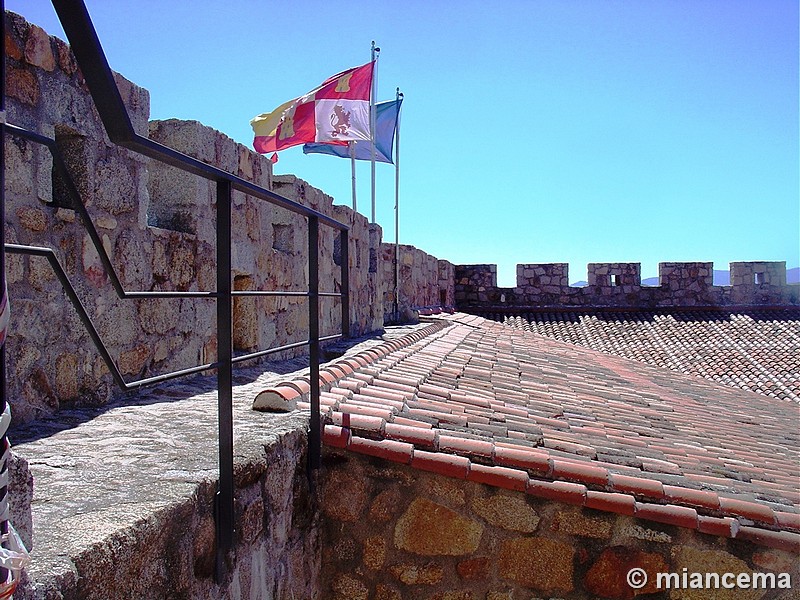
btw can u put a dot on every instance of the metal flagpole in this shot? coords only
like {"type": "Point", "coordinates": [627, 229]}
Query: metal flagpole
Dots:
{"type": "Point", "coordinates": [352, 146]}
{"type": "Point", "coordinates": [398, 96]}
{"type": "Point", "coordinates": [375, 53]}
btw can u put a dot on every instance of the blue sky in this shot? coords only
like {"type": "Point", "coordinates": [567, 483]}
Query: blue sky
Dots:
{"type": "Point", "coordinates": [533, 131]}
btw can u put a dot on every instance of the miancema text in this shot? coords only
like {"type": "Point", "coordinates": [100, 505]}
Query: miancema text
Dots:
{"type": "Point", "coordinates": [729, 581]}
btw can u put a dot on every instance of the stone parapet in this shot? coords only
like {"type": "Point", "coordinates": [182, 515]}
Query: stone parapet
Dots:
{"type": "Point", "coordinates": [157, 225]}
{"type": "Point", "coordinates": [424, 281]}
{"type": "Point", "coordinates": [124, 504]}
{"type": "Point", "coordinates": [681, 284]}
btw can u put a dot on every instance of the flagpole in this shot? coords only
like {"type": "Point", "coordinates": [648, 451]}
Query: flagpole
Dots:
{"type": "Point", "coordinates": [374, 55]}
{"type": "Point", "coordinates": [352, 146]}
{"type": "Point", "coordinates": [398, 96]}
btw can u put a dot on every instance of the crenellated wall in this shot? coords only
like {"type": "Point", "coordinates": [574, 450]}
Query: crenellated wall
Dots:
{"type": "Point", "coordinates": [619, 285]}
{"type": "Point", "coordinates": [158, 226]}
{"type": "Point", "coordinates": [424, 281]}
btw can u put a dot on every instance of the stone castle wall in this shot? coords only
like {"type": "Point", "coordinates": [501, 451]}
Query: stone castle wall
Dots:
{"type": "Point", "coordinates": [619, 285]}
{"type": "Point", "coordinates": [394, 532]}
{"type": "Point", "coordinates": [424, 281]}
{"type": "Point", "coordinates": [158, 226]}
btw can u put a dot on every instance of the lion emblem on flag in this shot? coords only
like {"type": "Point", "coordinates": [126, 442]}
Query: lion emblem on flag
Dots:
{"type": "Point", "coordinates": [340, 121]}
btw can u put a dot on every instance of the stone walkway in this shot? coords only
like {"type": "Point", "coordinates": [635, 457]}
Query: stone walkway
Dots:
{"type": "Point", "coordinates": [98, 471]}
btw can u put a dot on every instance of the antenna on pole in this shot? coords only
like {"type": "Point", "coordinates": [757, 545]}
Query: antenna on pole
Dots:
{"type": "Point", "coordinates": [374, 57]}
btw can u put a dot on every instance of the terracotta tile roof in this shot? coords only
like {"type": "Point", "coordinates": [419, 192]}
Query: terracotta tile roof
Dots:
{"type": "Point", "coordinates": [754, 349]}
{"type": "Point", "coordinates": [474, 399]}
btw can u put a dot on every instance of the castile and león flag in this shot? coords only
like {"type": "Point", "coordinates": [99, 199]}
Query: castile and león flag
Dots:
{"type": "Point", "coordinates": [340, 118]}
{"type": "Point", "coordinates": [336, 112]}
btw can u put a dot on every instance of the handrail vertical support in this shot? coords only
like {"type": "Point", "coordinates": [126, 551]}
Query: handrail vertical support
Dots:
{"type": "Point", "coordinates": [224, 498]}
{"type": "Point", "coordinates": [345, 289]}
{"type": "Point", "coordinates": [314, 437]}
{"type": "Point", "coordinates": [3, 400]}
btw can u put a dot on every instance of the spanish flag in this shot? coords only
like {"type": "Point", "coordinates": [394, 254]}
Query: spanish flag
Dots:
{"type": "Point", "coordinates": [335, 112]}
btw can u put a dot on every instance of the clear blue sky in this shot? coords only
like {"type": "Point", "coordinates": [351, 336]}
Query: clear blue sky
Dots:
{"type": "Point", "coordinates": [533, 131]}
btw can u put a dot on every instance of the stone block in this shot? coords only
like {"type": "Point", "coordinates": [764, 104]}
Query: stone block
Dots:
{"type": "Point", "coordinates": [507, 512]}
{"type": "Point", "coordinates": [537, 563]}
{"type": "Point", "coordinates": [474, 569]}
{"type": "Point", "coordinates": [92, 267]}
{"type": "Point", "coordinates": [777, 561]}
{"type": "Point", "coordinates": [132, 362]}
{"type": "Point", "coordinates": [607, 577]}
{"type": "Point", "coordinates": [499, 595]}
{"type": "Point", "coordinates": [454, 595]}
{"type": "Point", "coordinates": [418, 574]}
{"type": "Point", "coordinates": [430, 529]}
{"type": "Point", "coordinates": [576, 523]}
{"type": "Point", "coordinates": [115, 185]}
{"type": "Point", "coordinates": [22, 85]}
{"type": "Point", "coordinates": [385, 505]}
{"type": "Point", "coordinates": [344, 495]}
{"type": "Point", "coordinates": [251, 520]}
{"type": "Point", "coordinates": [347, 587]}
{"type": "Point", "coordinates": [32, 219]}
{"type": "Point", "coordinates": [374, 554]}
{"type": "Point", "coordinates": [38, 50]}
{"type": "Point", "coordinates": [386, 592]}
{"type": "Point", "coordinates": [697, 560]}
{"type": "Point", "coordinates": [67, 376]}
{"type": "Point", "coordinates": [13, 47]}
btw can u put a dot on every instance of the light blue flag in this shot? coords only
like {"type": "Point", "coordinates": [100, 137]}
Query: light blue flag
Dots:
{"type": "Point", "coordinates": [386, 117]}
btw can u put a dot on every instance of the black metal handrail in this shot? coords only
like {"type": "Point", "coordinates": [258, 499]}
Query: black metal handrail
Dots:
{"type": "Point", "coordinates": [105, 94]}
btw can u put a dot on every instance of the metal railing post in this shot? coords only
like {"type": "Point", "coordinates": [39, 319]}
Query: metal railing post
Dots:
{"type": "Point", "coordinates": [3, 400]}
{"type": "Point", "coordinates": [224, 498]}
{"type": "Point", "coordinates": [345, 290]}
{"type": "Point", "coordinates": [314, 437]}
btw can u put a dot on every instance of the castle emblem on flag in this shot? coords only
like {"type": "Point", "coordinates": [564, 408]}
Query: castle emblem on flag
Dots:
{"type": "Point", "coordinates": [340, 121]}
{"type": "Point", "coordinates": [338, 111]}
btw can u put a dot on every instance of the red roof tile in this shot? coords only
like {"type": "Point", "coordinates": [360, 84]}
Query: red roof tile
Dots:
{"type": "Point", "coordinates": [616, 503]}
{"type": "Point", "coordinates": [670, 514]}
{"type": "Point", "coordinates": [502, 477]}
{"type": "Point", "coordinates": [444, 464]}
{"type": "Point", "coordinates": [560, 491]}
{"type": "Point", "coordinates": [389, 449]}
{"type": "Point", "coordinates": [470, 398]}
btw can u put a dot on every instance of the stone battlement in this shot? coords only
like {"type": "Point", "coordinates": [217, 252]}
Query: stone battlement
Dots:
{"type": "Point", "coordinates": [619, 284]}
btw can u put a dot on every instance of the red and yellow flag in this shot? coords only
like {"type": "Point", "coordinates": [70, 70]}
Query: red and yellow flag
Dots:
{"type": "Point", "coordinates": [336, 111]}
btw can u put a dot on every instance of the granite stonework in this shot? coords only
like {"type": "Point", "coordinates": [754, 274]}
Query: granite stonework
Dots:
{"type": "Point", "coordinates": [681, 284]}
{"type": "Point", "coordinates": [114, 493]}
{"type": "Point", "coordinates": [123, 499]}
{"type": "Point", "coordinates": [157, 224]}
{"type": "Point", "coordinates": [424, 281]}
{"type": "Point", "coordinates": [393, 532]}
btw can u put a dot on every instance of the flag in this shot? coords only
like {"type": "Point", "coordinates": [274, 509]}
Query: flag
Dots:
{"type": "Point", "coordinates": [336, 111]}
{"type": "Point", "coordinates": [387, 115]}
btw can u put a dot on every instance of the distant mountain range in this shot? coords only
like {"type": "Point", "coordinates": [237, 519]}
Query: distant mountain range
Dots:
{"type": "Point", "coordinates": [720, 278]}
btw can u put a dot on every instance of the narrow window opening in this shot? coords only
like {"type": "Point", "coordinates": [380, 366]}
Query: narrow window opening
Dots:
{"type": "Point", "coordinates": [759, 278]}
{"type": "Point", "coordinates": [72, 148]}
